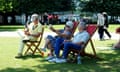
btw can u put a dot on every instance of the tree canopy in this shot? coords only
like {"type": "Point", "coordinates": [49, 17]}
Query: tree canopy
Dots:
{"type": "Point", "coordinates": [6, 6]}
{"type": "Point", "coordinates": [112, 7]}
{"type": "Point", "coordinates": [30, 6]}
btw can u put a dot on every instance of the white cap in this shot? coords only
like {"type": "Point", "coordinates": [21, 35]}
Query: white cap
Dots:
{"type": "Point", "coordinates": [70, 24]}
{"type": "Point", "coordinates": [104, 13]}
{"type": "Point", "coordinates": [34, 17]}
{"type": "Point", "coordinates": [82, 24]}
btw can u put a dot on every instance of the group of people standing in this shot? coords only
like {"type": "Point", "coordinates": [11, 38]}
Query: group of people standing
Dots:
{"type": "Point", "coordinates": [103, 25]}
{"type": "Point", "coordinates": [47, 19]}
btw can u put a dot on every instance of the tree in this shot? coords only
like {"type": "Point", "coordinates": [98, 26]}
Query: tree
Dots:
{"type": "Point", "coordinates": [11, 7]}
{"type": "Point", "coordinates": [112, 7]}
{"type": "Point", "coordinates": [40, 6]}
{"type": "Point", "coordinates": [5, 6]}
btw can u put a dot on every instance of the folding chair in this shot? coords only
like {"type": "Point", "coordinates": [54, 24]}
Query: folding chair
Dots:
{"type": "Point", "coordinates": [75, 24]}
{"type": "Point", "coordinates": [33, 45]}
{"type": "Point", "coordinates": [91, 29]}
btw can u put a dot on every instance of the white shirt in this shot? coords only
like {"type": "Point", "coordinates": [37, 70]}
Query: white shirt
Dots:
{"type": "Point", "coordinates": [37, 29]}
{"type": "Point", "coordinates": [100, 21]}
{"type": "Point", "coordinates": [81, 37]}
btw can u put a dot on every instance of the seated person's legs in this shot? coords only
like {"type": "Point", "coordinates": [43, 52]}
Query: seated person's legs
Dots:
{"type": "Point", "coordinates": [58, 44]}
{"type": "Point", "coordinates": [21, 47]}
{"type": "Point", "coordinates": [51, 54]}
{"type": "Point", "coordinates": [48, 39]}
{"type": "Point", "coordinates": [67, 46]}
{"type": "Point", "coordinates": [117, 46]}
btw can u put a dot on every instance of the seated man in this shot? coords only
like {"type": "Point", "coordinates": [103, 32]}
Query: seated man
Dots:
{"type": "Point", "coordinates": [31, 33]}
{"type": "Point", "coordinates": [77, 43]}
{"type": "Point", "coordinates": [53, 42]}
{"type": "Point", "coordinates": [117, 45]}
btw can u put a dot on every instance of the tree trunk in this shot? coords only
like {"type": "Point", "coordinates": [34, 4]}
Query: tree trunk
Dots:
{"type": "Point", "coordinates": [13, 19]}
{"type": "Point", "coordinates": [5, 21]}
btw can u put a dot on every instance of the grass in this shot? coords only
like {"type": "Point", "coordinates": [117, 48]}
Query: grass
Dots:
{"type": "Point", "coordinates": [111, 28]}
{"type": "Point", "coordinates": [9, 48]}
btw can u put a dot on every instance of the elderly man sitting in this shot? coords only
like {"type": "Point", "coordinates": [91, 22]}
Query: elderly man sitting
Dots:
{"type": "Point", "coordinates": [31, 33]}
{"type": "Point", "coordinates": [77, 43]}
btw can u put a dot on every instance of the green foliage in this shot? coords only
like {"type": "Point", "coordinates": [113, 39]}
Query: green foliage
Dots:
{"type": "Point", "coordinates": [39, 6]}
{"type": "Point", "coordinates": [112, 7]}
{"type": "Point", "coordinates": [6, 6]}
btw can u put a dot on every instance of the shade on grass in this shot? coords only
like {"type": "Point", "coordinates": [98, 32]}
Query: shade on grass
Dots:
{"type": "Point", "coordinates": [9, 48]}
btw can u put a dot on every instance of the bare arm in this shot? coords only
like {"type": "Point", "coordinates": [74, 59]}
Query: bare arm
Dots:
{"type": "Point", "coordinates": [59, 33]}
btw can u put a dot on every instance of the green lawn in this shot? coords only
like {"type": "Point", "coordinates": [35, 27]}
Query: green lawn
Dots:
{"type": "Point", "coordinates": [9, 48]}
{"type": "Point", "coordinates": [111, 28]}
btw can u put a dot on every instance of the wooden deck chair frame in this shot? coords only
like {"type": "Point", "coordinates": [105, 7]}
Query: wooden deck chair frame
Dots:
{"type": "Point", "coordinates": [91, 29]}
{"type": "Point", "coordinates": [35, 44]}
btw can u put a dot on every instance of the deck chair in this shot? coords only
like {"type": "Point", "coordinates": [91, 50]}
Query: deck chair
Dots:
{"type": "Point", "coordinates": [33, 45]}
{"type": "Point", "coordinates": [75, 24]}
{"type": "Point", "coordinates": [91, 29]}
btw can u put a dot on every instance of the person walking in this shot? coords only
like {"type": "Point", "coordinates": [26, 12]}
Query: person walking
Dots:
{"type": "Point", "coordinates": [100, 24]}
{"type": "Point", "coordinates": [45, 19]}
{"type": "Point", "coordinates": [106, 24]}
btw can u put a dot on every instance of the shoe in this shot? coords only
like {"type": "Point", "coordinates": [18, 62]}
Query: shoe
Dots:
{"type": "Point", "coordinates": [102, 39]}
{"type": "Point", "coordinates": [49, 57]}
{"type": "Point", "coordinates": [110, 37]}
{"type": "Point", "coordinates": [43, 49]}
{"type": "Point", "coordinates": [19, 55]}
{"type": "Point", "coordinates": [61, 60]}
{"type": "Point", "coordinates": [52, 60]}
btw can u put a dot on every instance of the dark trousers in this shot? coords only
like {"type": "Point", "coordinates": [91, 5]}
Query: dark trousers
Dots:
{"type": "Point", "coordinates": [100, 32]}
{"type": "Point", "coordinates": [108, 34]}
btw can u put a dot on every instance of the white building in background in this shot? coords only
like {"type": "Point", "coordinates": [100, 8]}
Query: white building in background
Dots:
{"type": "Point", "coordinates": [21, 19]}
{"type": "Point", "coordinates": [23, 16]}
{"type": "Point", "coordinates": [9, 18]}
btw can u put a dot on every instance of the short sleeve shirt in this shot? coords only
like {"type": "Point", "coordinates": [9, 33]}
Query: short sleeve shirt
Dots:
{"type": "Point", "coordinates": [34, 29]}
{"type": "Point", "coordinates": [81, 37]}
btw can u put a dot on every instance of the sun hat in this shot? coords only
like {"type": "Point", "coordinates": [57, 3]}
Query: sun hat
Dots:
{"type": "Point", "coordinates": [104, 13]}
{"type": "Point", "coordinates": [70, 24]}
{"type": "Point", "coordinates": [34, 17]}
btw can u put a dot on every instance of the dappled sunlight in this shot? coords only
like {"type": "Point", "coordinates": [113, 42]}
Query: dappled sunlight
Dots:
{"type": "Point", "coordinates": [35, 63]}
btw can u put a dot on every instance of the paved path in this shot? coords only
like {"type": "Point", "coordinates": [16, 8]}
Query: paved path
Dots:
{"type": "Point", "coordinates": [15, 34]}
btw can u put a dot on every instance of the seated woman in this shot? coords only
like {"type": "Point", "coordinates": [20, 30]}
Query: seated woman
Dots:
{"type": "Point", "coordinates": [55, 43]}
{"type": "Point", "coordinates": [117, 45]}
